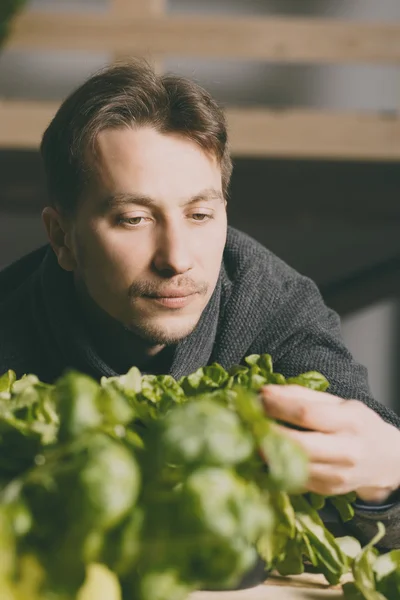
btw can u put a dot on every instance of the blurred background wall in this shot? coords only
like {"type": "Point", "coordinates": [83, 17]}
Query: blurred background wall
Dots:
{"type": "Point", "coordinates": [333, 218]}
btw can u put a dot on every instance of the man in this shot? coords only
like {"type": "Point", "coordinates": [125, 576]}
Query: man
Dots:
{"type": "Point", "coordinates": [142, 270]}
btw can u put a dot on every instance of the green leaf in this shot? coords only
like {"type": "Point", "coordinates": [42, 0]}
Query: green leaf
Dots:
{"type": "Point", "coordinates": [272, 546]}
{"type": "Point", "coordinates": [204, 433]}
{"type": "Point", "coordinates": [7, 380]}
{"type": "Point", "coordinates": [204, 380]}
{"type": "Point", "coordinates": [151, 389]}
{"type": "Point", "coordinates": [349, 546]}
{"type": "Point", "coordinates": [27, 381]}
{"type": "Point", "coordinates": [227, 505]}
{"type": "Point", "coordinates": [130, 383]}
{"type": "Point", "coordinates": [252, 359]}
{"type": "Point", "coordinates": [331, 560]}
{"type": "Point", "coordinates": [223, 515]}
{"type": "Point", "coordinates": [109, 480]}
{"type": "Point", "coordinates": [237, 370]}
{"type": "Point", "coordinates": [287, 463]}
{"type": "Point", "coordinates": [216, 374]}
{"type": "Point", "coordinates": [377, 537]}
{"type": "Point", "coordinates": [351, 591]}
{"type": "Point", "coordinates": [256, 381]}
{"type": "Point", "coordinates": [386, 564]}
{"type": "Point", "coordinates": [8, 545]}
{"type": "Point", "coordinates": [316, 500]}
{"type": "Point", "coordinates": [312, 380]}
{"type": "Point", "coordinates": [114, 406]}
{"type": "Point", "coordinates": [277, 379]}
{"type": "Point", "coordinates": [292, 562]}
{"type": "Point", "coordinates": [76, 399]}
{"type": "Point", "coordinates": [161, 585]}
{"type": "Point", "coordinates": [363, 573]}
{"type": "Point", "coordinates": [191, 383]}
{"type": "Point", "coordinates": [344, 505]}
{"type": "Point", "coordinates": [122, 544]}
{"type": "Point", "coordinates": [248, 407]}
{"type": "Point", "coordinates": [387, 574]}
{"type": "Point", "coordinates": [265, 364]}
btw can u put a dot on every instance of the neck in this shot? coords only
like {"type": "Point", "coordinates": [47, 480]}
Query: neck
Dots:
{"type": "Point", "coordinates": [117, 345]}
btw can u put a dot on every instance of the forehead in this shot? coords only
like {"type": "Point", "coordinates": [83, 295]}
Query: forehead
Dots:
{"type": "Point", "coordinates": [142, 160]}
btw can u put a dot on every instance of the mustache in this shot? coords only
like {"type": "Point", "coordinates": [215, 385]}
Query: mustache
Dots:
{"type": "Point", "coordinates": [184, 285]}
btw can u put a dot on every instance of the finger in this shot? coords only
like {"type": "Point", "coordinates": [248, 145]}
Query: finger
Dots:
{"type": "Point", "coordinates": [374, 494]}
{"type": "Point", "coordinates": [306, 393]}
{"type": "Point", "coordinates": [316, 411]}
{"type": "Point", "coordinates": [321, 447]}
{"type": "Point", "coordinates": [329, 480]}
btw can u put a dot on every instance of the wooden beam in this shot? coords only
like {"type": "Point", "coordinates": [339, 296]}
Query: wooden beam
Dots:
{"type": "Point", "coordinates": [138, 8]}
{"type": "Point", "coordinates": [314, 134]}
{"type": "Point", "coordinates": [277, 39]}
{"type": "Point", "coordinates": [253, 132]}
{"type": "Point", "coordinates": [22, 122]}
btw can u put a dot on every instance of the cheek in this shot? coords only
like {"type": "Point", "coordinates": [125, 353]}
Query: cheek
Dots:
{"type": "Point", "coordinates": [210, 251]}
{"type": "Point", "coordinates": [112, 260]}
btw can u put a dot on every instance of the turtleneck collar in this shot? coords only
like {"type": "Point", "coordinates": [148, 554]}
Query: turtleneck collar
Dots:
{"type": "Point", "coordinates": [117, 345]}
{"type": "Point", "coordinates": [98, 345]}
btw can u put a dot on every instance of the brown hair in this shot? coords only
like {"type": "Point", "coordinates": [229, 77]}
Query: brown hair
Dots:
{"type": "Point", "coordinates": [117, 97]}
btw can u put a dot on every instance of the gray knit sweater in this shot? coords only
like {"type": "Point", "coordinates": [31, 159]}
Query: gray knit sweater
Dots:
{"type": "Point", "coordinates": [260, 305]}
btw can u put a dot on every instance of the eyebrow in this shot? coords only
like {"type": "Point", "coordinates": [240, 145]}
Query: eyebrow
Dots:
{"type": "Point", "coordinates": [122, 199]}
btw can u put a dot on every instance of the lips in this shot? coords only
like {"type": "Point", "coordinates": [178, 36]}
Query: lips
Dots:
{"type": "Point", "coordinates": [173, 295]}
{"type": "Point", "coordinates": [176, 294]}
{"type": "Point", "coordinates": [173, 300]}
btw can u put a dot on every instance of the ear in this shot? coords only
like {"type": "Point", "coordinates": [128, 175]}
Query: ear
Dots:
{"type": "Point", "coordinates": [58, 232]}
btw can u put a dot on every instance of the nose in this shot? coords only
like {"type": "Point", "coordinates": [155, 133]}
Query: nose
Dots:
{"type": "Point", "coordinates": [172, 255]}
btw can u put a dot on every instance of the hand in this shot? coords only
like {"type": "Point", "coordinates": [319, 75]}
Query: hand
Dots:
{"type": "Point", "coordinates": [350, 448]}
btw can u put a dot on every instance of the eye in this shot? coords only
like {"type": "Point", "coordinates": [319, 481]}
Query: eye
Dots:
{"type": "Point", "coordinates": [134, 221]}
{"type": "Point", "coordinates": [201, 217]}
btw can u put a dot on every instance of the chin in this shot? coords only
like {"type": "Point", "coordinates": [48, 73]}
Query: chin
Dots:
{"type": "Point", "coordinates": [158, 333]}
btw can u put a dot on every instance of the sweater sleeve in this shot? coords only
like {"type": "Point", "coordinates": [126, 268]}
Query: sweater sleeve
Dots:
{"type": "Point", "coordinates": [363, 526]}
{"type": "Point", "coordinates": [304, 335]}
{"type": "Point", "coordinates": [307, 337]}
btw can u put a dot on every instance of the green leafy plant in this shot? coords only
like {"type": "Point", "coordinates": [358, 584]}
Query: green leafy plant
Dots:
{"type": "Point", "coordinates": [162, 484]}
{"type": "Point", "coordinates": [8, 9]}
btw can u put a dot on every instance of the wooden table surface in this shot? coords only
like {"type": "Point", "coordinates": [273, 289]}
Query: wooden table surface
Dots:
{"type": "Point", "coordinates": [304, 587]}
{"type": "Point", "coordinates": [102, 585]}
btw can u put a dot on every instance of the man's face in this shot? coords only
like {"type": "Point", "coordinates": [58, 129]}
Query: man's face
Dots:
{"type": "Point", "coordinates": [149, 234]}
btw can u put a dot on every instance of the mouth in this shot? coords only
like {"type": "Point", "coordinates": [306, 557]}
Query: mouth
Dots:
{"type": "Point", "coordinates": [173, 300]}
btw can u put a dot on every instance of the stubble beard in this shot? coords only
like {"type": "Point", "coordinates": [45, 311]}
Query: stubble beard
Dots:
{"type": "Point", "coordinates": [156, 335]}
